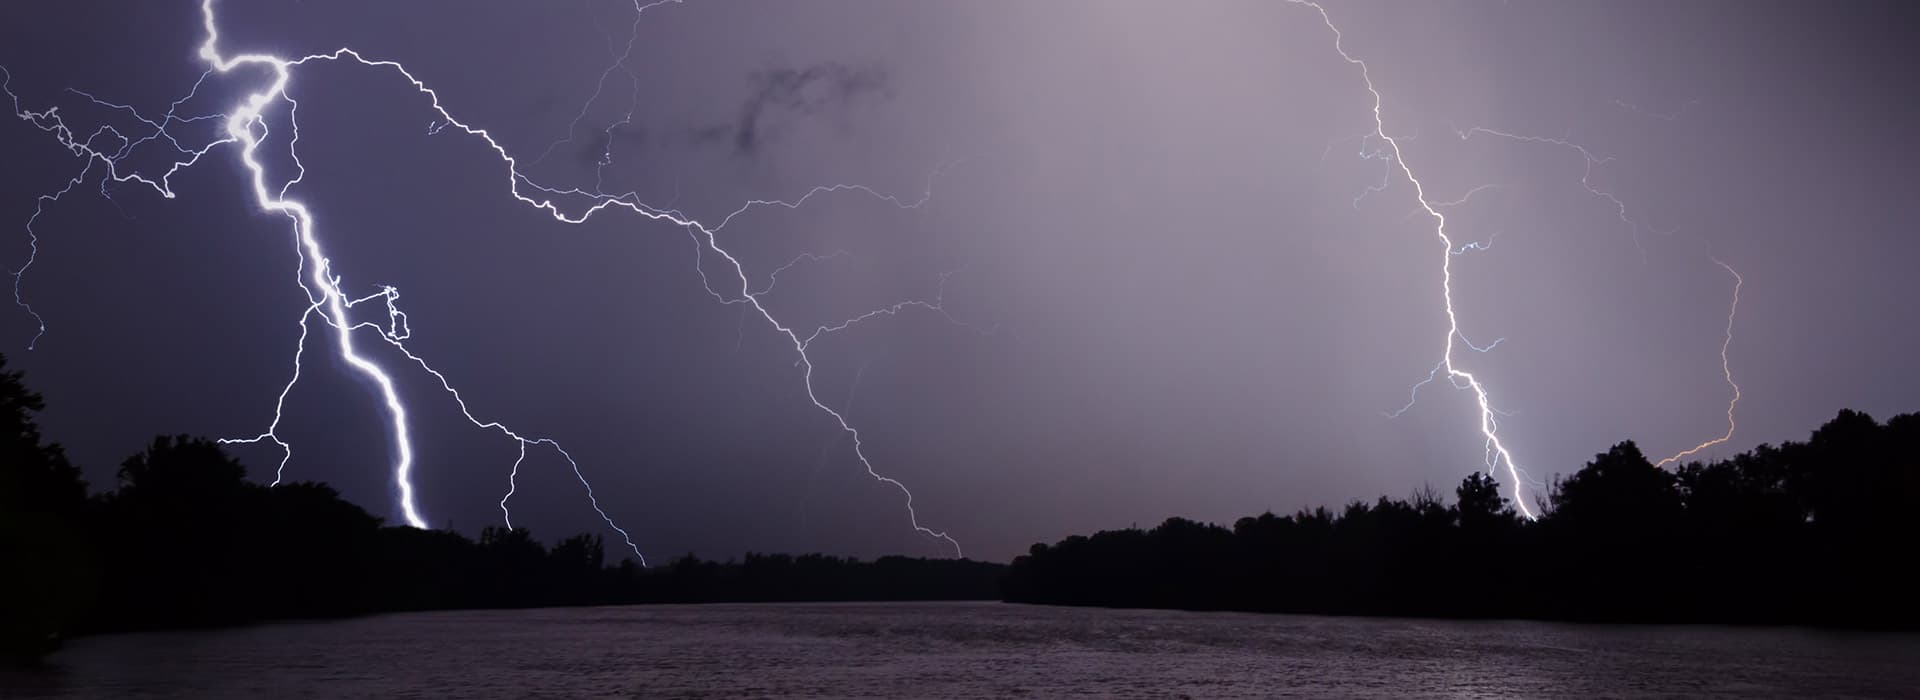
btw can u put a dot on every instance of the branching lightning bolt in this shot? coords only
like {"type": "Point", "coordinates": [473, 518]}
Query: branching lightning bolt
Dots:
{"type": "Point", "coordinates": [1726, 370]}
{"type": "Point", "coordinates": [246, 125]}
{"type": "Point", "coordinates": [1586, 177]}
{"type": "Point", "coordinates": [50, 121]}
{"type": "Point", "coordinates": [1496, 451]}
{"type": "Point", "coordinates": [774, 277]}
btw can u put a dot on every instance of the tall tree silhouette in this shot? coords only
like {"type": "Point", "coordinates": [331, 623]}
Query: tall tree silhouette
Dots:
{"type": "Point", "coordinates": [184, 535]}
{"type": "Point", "coordinates": [48, 573]}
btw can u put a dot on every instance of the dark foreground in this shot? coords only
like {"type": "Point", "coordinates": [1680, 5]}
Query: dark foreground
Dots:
{"type": "Point", "coordinates": [964, 650]}
{"type": "Point", "coordinates": [185, 540]}
{"type": "Point", "coordinates": [1803, 533]}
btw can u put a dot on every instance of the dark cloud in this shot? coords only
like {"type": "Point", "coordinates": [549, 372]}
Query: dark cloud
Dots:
{"type": "Point", "coordinates": [785, 94]}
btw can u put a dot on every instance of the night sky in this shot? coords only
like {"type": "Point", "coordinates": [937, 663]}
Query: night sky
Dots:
{"type": "Point", "coordinates": [1173, 284]}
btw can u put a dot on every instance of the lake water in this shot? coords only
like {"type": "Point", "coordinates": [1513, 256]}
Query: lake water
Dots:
{"type": "Point", "coordinates": [964, 650]}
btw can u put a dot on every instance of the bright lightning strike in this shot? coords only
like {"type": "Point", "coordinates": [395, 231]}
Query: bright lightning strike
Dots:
{"type": "Point", "coordinates": [1726, 370]}
{"type": "Point", "coordinates": [246, 125]}
{"type": "Point", "coordinates": [1496, 451]}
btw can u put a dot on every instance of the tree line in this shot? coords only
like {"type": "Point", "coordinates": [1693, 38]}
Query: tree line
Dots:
{"type": "Point", "coordinates": [185, 540]}
{"type": "Point", "coordinates": [1811, 532]}
{"type": "Point", "coordinates": [1815, 532]}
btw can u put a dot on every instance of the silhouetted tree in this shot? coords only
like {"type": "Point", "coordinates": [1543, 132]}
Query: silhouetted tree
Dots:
{"type": "Point", "coordinates": [186, 540]}
{"type": "Point", "coordinates": [47, 577]}
{"type": "Point", "coordinates": [181, 535]}
{"type": "Point", "coordinates": [1801, 533]}
{"type": "Point", "coordinates": [1809, 532]}
{"type": "Point", "coordinates": [1480, 504]}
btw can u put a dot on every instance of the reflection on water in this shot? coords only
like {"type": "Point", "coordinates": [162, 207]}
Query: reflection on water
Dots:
{"type": "Point", "coordinates": [964, 650]}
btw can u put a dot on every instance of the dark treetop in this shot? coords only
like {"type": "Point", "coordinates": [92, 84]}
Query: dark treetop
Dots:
{"type": "Point", "coordinates": [1807, 532]}
{"type": "Point", "coordinates": [1814, 532]}
{"type": "Point", "coordinates": [185, 540]}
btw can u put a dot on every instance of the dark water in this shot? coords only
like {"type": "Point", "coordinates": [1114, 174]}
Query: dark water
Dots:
{"type": "Point", "coordinates": [964, 650]}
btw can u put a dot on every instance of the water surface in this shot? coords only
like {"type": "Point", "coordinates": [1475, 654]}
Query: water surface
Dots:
{"type": "Point", "coordinates": [936, 650]}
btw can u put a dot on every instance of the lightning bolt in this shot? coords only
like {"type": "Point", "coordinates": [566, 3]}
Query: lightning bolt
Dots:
{"type": "Point", "coordinates": [1726, 370]}
{"type": "Point", "coordinates": [1497, 453]}
{"type": "Point", "coordinates": [1586, 177]}
{"type": "Point", "coordinates": [247, 126]}
{"type": "Point", "coordinates": [1468, 197]}
{"type": "Point", "coordinates": [774, 277]}
{"type": "Point", "coordinates": [620, 64]}
{"type": "Point", "coordinates": [50, 121]}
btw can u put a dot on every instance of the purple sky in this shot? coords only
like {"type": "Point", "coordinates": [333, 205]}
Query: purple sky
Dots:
{"type": "Point", "coordinates": [1160, 211]}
